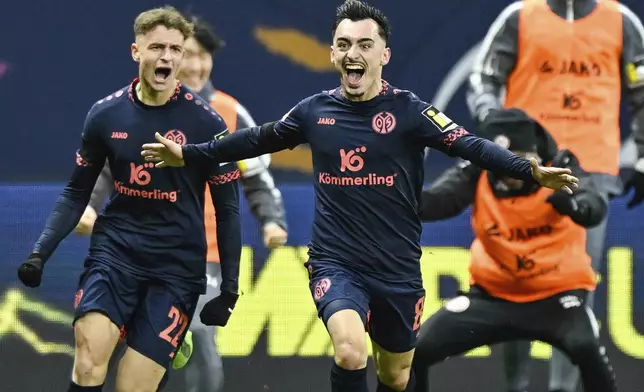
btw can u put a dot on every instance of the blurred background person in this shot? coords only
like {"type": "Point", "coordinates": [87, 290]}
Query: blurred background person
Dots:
{"type": "Point", "coordinates": [529, 270]}
{"type": "Point", "coordinates": [563, 62]}
{"type": "Point", "coordinates": [204, 370]}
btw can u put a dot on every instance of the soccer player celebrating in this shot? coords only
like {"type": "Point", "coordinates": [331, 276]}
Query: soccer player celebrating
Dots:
{"type": "Point", "coordinates": [204, 373]}
{"type": "Point", "coordinates": [367, 140]}
{"type": "Point", "coordinates": [529, 267]}
{"type": "Point", "coordinates": [146, 265]}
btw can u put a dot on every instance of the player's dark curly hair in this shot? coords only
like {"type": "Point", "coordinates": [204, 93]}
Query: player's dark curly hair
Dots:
{"type": "Point", "coordinates": [356, 10]}
{"type": "Point", "coordinates": [204, 34]}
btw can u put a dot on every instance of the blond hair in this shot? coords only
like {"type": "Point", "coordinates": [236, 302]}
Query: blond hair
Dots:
{"type": "Point", "coordinates": [166, 16]}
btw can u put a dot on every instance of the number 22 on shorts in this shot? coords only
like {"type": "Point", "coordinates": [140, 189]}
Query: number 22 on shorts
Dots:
{"type": "Point", "coordinates": [178, 319]}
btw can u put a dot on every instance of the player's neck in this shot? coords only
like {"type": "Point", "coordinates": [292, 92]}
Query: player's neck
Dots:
{"type": "Point", "coordinates": [150, 97]}
{"type": "Point", "coordinates": [368, 95]}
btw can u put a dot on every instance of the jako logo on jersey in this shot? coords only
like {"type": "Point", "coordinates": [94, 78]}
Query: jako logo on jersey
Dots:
{"type": "Point", "coordinates": [326, 121]}
{"type": "Point", "coordinates": [139, 175]}
{"type": "Point", "coordinates": [352, 161]}
{"type": "Point", "coordinates": [176, 136]}
{"type": "Point", "coordinates": [383, 122]}
{"type": "Point", "coordinates": [119, 135]}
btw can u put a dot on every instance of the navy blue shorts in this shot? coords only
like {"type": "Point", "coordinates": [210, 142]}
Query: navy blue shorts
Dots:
{"type": "Point", "coordinates": [153, 316]}
{"type": "Point", "coordinates": [391, 311]}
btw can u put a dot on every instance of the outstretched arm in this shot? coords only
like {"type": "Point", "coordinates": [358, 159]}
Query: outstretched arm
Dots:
{"type": "Point", "coordinates": [436, 130]}
{"type": "Point", "coordinates": [490, 156]}
{"type": "Point", "coordinates": [243, 144]}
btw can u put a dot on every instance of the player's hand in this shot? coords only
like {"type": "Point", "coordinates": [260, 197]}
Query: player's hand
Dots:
{"type": "Point", "coordinates": [86, 223]}
{"type": "Point", "coordinates": [274, 235]}
{"type": "Point", "coordinates": [30, 272]}
{"type": "Point", "coordinates": [554, 177]}
{"type": "Point", "coordinates": [164, 153]}
{"type": "Point", "coordinates": [636, 182]}
{"type": "Point", "coordinates": [217, 311]}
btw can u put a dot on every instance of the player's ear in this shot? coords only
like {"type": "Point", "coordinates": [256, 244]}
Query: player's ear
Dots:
{"type": "Point", "coordinates": [386, 56]}
{"type": "Point", "coordinates": [332, 57]}
{"type": "Point", "coordinates": [135, 53]}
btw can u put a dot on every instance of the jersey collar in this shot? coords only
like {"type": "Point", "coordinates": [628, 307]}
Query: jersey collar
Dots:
{"type": "Point", "coordinates": [132, 95]}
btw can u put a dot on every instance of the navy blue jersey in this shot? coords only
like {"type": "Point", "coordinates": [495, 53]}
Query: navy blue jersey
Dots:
{"type": "Point", "coordinates": [153, 224]}
{"type": "Point", "coordinates": [368, 167]}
